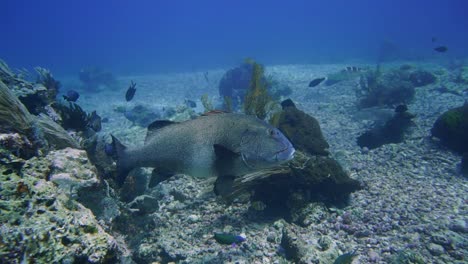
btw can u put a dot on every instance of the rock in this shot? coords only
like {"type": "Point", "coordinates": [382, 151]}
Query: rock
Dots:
{"type": "Point", "coordinates": [145, 204]}
{"type": "Point", "coordinates": [392, 131]}
{"type": "Point", "coordinates": [459, 226]}
{"type": "Point", "coordinates": [193, 218]}
{"type": "Point", "coordinates": [295, 249]}
{"type": "Point", "coordinates": [421, 78]}
{"type": "Point", "coordinates": [71, 169]}
{"type": "Point", "coordinates": [302, 130]}
{"type": "Point", "coordinates": [435, 250]}
{"type": "Point", "coordinates": [451, 129]}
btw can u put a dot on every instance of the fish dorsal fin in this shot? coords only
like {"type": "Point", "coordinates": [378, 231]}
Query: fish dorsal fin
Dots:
{"type": "Point", "coordinates": [155, 126]}
{"type": "Point", "coordinates": [214, 112]}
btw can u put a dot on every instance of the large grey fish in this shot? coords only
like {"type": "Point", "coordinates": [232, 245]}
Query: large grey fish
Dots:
{"type": "Point", "coordinates": [215, 144]}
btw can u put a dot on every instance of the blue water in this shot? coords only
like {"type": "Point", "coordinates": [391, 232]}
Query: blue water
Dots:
{"type": "Point", "coordinates": [183, 35]}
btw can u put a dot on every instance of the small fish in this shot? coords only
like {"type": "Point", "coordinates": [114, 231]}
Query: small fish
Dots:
{"type": "Point", "coordinates": [441, 49]}
{"type": "Point", "coordinates": [352, 69]}
{"type": "Point", "coordinates": [401, 108]}
{"type": "Point", "coordinates": [190, 103]}
{"type": "Point", "coordinates": [109, 149]}
{"type": "Point", "coordinates": [130, 92]}
{"type": "Point", "coordinates": [94, 121]}
{"type": "Point", "coordinates": [316, 82]}
{"type": "Point", "coordinates": [228, 239]}
{"type": "Point", "coordinates": [71, 96]}
{"type": "Point", "coordinates": [287, 103]}
{"type": "Point", "coordinates": [346, 258]}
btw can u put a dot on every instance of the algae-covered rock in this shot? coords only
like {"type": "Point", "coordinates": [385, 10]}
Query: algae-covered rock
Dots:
{"type": "Point", "coordinates": [451, 128]}
{"type": "Point", "coordinates": [71, 170]}
{"type": "Point", "coordinates": [302, 130]}
{"type": "Point", "coordinates": [40, 224]}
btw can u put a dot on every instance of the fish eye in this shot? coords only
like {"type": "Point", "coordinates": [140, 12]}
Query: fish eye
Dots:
{"type": "Point", "coordinates": [271, 132]}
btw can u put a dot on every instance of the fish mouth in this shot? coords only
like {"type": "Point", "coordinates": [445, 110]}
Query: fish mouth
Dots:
{"type": "Point", "coordinates": [285, 154]}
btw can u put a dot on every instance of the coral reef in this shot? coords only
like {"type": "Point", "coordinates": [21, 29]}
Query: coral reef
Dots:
{"type": "Point", "coordinates": [451, 129]}
{"type": "Point", "coordinates": [93, 78]}
{"type": "Point", "coordinates": [54, 134]}
{"type": "Point", "coordinates": [13, 115]}
{"type": "Point", "coordinates": [75, 118]}
{"type": "Point", "coordinates": [42, 223]}
{"type": "Point", "coordinates": [235, 83]}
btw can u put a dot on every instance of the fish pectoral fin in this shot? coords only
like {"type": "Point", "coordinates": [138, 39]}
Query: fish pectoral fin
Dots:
{"type": "Point", "coordinates": [223, 185]}
{"type": "Point", "coordinates": [224, 153]}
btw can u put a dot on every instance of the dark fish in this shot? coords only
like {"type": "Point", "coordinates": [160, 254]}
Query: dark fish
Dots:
{"type": "Point", "coordinates": [352, 69]}
{"type": "Point", "coordinates": [316, 82]}
{"type": "Point", "coordinates": [287, 103]}
{"type": "Point", "coordinates": [71, 96]}
{"type": "Point", "coordinates": [441, 49]}
{"type": "Point", "coordinates": [228, 239]}
{"type": "Point", "coordinates": [211, 145]}
{"type": "Point", "coordinates": [130, 92]}
{"type": "Point", "coordinates": [109, 149]}
{"type": "Point", "coordinates": [94, 121]}
{"type": "Point", "coordinates": [190, 103]}
{"type": "Point", "coordinates": [346, 258]}
{"type": "Point", "coordinates": [401, 108]}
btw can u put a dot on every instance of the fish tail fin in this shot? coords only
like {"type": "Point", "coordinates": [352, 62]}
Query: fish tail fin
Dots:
{"type": "Point", "coordinates": [123, 167]}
